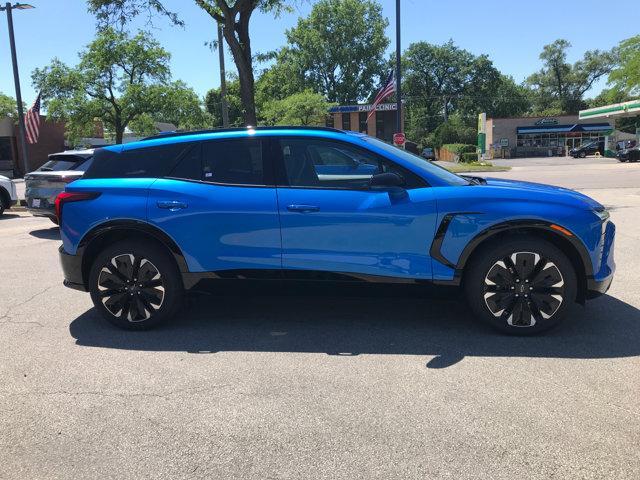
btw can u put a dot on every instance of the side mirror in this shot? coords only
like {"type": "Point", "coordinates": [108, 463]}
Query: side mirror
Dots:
{"type": "Point", "coordinates": [389, 182]}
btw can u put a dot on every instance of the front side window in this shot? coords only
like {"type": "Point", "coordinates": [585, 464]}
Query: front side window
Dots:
{"type": "Point", "coordinates": [329, 164]}
{"type": "Point", "coordinates": [235, 161]}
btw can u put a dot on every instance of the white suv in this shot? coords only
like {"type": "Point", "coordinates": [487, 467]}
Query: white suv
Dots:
{"type": "Point", "coordinates": [8, 196]}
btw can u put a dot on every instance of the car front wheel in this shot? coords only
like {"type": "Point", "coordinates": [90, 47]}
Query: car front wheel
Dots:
{"type": "Point", "coordinates": [521, 286]}
{"type": "Point", "coordinates": [135, 285]}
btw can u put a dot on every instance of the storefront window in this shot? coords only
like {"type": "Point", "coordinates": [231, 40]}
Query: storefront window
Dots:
{"type": "Point", "coordinates": [346, 121]}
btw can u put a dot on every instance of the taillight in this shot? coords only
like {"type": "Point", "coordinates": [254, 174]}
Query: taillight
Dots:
{"type": "Point", "coordinates": [68, 197]}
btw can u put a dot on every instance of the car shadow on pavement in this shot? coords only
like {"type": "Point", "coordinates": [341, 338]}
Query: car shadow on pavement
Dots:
{"type": "Point", "coordinates": [348, 326]}
{"type": "Point", "coordinates": [8, 216]}
{"type": "Point", "coordinates": [52, 233]}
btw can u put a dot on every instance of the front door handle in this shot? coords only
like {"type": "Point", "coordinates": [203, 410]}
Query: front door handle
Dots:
{"type": "Point", "coordinates": [303, 208]}
{"type": "Point", "coordinates": [172, 205]}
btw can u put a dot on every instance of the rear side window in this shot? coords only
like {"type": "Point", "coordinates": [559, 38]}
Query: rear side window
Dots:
{"type": "Point", "coordinates": [235, 161]}
{"type": "Point", "coordinates": [152, 162]}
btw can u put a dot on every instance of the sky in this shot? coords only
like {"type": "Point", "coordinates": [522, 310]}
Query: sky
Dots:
{"type": "Point", "coordinates": [512, 33]}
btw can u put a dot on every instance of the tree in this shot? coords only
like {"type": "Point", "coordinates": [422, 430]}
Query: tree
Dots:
{"type": "Point", "coordinates": [232, 15]}
{"type": "Point", "coordinates": [560, 85]}
{"type": "Point", "coordinates": [339, 48]}
{"type": "Point", "coordinates": [626, 76]}
{"type": "Point", "coordinates": [446, 75]}
{"type": "Point", "coordinates": [116, 81]}
{"type": "Point", "coordinates": [280, 80]}
{"type": "Point", "coordinates": [304, 108]}
{"type": "Point", "coordinates": [213, 104]}
{"type": "Point", "coordinates": [8, 106]}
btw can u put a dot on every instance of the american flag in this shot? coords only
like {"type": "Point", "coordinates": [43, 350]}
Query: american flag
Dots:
{"type": "Point", "coordinates": [388, 89]}
{"type": "Point", "coordinates": [32, 122]}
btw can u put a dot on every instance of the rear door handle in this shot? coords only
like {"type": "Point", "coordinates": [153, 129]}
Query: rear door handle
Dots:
{"type": "Point", "coordinates": [172, 205]}
{"type": "Point", "coordinates": [303, 208]}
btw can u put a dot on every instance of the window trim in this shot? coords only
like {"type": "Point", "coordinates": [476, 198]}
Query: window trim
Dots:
{"type": "Point", "coordinates": [282, 181]}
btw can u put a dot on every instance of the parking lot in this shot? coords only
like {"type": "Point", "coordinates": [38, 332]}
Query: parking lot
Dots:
{"type": "Point", "coordinates": [246, 385]}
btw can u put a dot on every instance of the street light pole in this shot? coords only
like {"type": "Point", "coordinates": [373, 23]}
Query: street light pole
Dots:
{"type": "Point", "coordinates": [398, 72]}
{"type": "Point", "coordinates": [223, 81]}
{"type": "Point", "coordinates": [16, 78]}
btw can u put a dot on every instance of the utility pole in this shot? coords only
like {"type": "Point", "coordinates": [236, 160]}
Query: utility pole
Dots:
{"type": "Point", "coordinates": [398, 72]}
{"type": "Point", "coordinates": [223, 81]}
{"type": "Point", "coordinates": [16, 78]}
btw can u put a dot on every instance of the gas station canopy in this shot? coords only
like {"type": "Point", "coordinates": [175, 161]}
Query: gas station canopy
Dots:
{"type": "Point", "coordinates": [615, 110]}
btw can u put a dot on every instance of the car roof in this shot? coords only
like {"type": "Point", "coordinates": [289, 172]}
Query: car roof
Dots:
{"type": "Point", "coordinates": [244, 132]}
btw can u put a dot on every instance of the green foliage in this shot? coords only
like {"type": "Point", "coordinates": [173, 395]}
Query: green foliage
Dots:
{"type": "Point", "coordinates": [304, 108]}
{"type": "Point", "coordinates": [469, 157]}
{"type": "Point", "coordinates": [213, 104]}
{"type": "Point", "coordinates": [453, 131]}
{"type": "Point", "coordinates": [559, 85]}
{"type": "Point", "coordinates": [445, 88]}
{"type": "Point", "coordinates": [626, 76]}
{"type": "Point", "coordinates": [8, 106]}
{"type": "Point", "coordinates": [280, 80]}
{"type": "Point", "coordinates": [459, 148]}
{"type": "Point", "coordinates": [339, 48]}
{"type": "Point", "coordinates": [121, 80]}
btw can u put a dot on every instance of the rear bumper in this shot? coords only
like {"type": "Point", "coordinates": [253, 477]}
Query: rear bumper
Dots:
{"type": "Point", "coordinates": [72, 270]}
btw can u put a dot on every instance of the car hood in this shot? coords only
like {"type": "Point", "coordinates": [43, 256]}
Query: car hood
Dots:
{"type": "Point", "coordinates": [559, 193]}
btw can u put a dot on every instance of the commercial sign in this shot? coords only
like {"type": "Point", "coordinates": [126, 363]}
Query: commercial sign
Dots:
{"type": "Point", "coordinates": [547, 121]}
{"type": "Point", "coordinates": [399, 138]}
{"type": "Point", "coordinates": [383, 107]}
{"type": "Point", "coordinates": [504, 142]}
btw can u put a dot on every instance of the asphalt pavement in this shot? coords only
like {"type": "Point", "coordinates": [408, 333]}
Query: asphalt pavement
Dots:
{"type": "Point", "coordinates": [254, 385]}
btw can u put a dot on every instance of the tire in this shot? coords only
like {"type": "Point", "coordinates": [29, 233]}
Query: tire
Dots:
{"type": "Point", "coordinates": [530, 296]}
{"type": "Point", "coordinates": [583, 155]}
{"type": "Point", "coordinates": [118, 269]}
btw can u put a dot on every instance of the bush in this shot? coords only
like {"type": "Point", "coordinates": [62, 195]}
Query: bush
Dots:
{"type": "Point", "coordinates": [468, 157]}
{"type": "Point", "coordinates": [459, 148]}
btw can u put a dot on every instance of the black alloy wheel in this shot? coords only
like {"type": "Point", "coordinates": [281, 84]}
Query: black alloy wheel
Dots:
{"type": "Point", "coordinates": [524, 289]}
{"type": "Point", "coordinates": [521, 285]}
{"type": "Point", "coordinates": [131, 287]}
{"type": "Point", "coordinates": [136, 285]}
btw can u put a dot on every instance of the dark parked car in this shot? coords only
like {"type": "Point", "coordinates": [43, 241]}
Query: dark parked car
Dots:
{"type": "Point", "coordinates": [587, 149]}
{"type": "Point", "coordinates": [428, 154]}
{"type": "Point", "coordinates": [629, 154]}
{"type": "Point", "coordinates": [44, 184]}
{"type": "Point", "coordinates": [154, 218]}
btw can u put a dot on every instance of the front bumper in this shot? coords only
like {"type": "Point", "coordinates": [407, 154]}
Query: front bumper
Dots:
{"type": "Point", "coordinates": [601, 281]}
{"type": "Point", "coordinates": [72, 270]}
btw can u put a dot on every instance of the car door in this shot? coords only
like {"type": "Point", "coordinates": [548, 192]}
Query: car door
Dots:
{"type": "Point", "coordinates": [219, 205]}
{"type": "Point", "coordinates": [337, 223]}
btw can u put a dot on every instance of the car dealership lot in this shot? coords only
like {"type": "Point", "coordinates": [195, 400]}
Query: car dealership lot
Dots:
{"type": "Point", "coordinates": [247, 386]}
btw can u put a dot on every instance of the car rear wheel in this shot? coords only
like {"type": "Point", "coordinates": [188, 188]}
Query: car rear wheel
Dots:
{"type": "Point", "coordinates": [521, 286]}
{"type": "Point", "coordinates": [135, 285]}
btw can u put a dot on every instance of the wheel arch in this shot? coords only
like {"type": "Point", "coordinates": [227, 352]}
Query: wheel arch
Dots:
{"type": "Point", "coordinates": [5, 198]}
{"type": "Point", "coordinates": [570, 245]}
{"type": "Point", "coordinates": [109, 232]}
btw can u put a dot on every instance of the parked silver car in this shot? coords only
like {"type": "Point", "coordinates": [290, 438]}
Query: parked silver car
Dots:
{"type": "Point", "coordinates": [44, 184]}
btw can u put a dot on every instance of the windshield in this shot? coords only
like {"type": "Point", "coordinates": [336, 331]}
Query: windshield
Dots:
{"type": "Point", "coordinates": [58, 163]}
{"type": "Point", "coordinates": [442, 173]}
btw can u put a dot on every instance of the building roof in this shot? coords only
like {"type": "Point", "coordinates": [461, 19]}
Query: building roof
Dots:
{"type": "Point", "coordinates": [576, 127]}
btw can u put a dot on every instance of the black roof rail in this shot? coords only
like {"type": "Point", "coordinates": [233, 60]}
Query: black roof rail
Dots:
{"type": "Point", "coordinates": [178, 133]}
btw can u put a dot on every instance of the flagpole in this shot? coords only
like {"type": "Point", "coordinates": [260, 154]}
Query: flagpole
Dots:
{"type": "Point", "coordinates": [398, 73]}
{"type": "Point", "coordinates": [16, 78]}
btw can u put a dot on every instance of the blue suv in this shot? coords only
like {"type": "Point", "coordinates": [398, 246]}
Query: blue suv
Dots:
{"type": "Point", "coordinates": [152, 219]}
